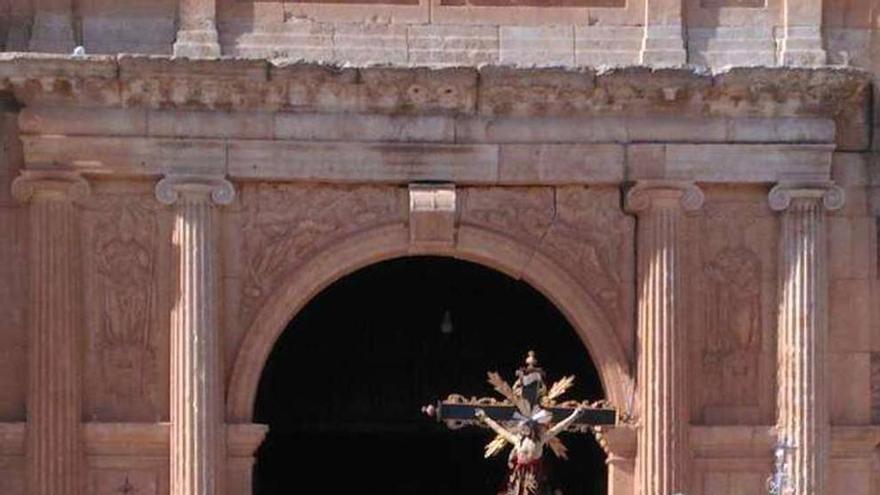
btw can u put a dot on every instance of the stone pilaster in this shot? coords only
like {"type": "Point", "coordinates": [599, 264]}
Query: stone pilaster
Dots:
{"type": "Point", "coordinates": [663, 420]}
{"type": "Point", "coordinates": [663, 42]}
{"type": "Point", "coordinates": [197, 436]}
{"type": "Point", "coordinates": [800, 42]}
{"type": "Point", "coordinates": [54, 449]}
{"type": "Point", "coordinates": [53, 27]}
{"type": "Point", "coordinates": [196, 29]}
{"type": "Point", "coordinates": [802, 401]}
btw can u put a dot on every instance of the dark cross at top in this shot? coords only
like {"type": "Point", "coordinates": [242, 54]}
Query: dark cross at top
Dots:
{"type": "Point", "coordinates": [126, 488]}
{"type": "Point", "coordinates": [528, 418]}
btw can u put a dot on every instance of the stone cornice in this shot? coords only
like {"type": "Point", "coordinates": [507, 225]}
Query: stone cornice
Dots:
{"type": "Point", "coordinates": [129, 81]}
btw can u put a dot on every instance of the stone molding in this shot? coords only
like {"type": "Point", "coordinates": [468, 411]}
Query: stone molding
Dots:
{"type": "Point", "coordinates": [475, 244]}
{"type": "Point", "coordinates": [55, 185]}
{"type": "Point", "coordinates": [128, 81]}
{"type": "Point", "coordinates": [480, 164]}
{"type": "Point", "coordinates": [171, 188]}
{"type": "Point", "coordinates": [832, 196]}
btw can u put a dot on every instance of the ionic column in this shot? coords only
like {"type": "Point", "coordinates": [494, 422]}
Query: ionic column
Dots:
{"type": "Point", "coordinates": [196, 376]}
{"type": "Point", "coordinates": [662, 434]}
{"type": "Point", "coordinates": [802, 400]}
{"type": "Point", "coordinates": [54, 451]}
{"type": "Point", "coordinates": [197, 29]}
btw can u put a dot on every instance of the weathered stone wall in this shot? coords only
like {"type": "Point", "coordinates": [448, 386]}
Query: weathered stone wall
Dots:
{"type": "Point", "coordinates": [713, 33]}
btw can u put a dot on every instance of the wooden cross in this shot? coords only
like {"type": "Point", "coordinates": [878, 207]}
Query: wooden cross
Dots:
{"type": "Point", "coordinates": [528, 402]}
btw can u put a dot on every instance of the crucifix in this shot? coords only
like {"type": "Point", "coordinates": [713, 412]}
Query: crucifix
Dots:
{"type": "Point", "coordinates": [528, 417]}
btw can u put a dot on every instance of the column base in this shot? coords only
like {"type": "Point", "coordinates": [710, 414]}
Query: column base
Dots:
{"type": "Point", "coordinates": [52, 33]}
{"type": "Point", "coordinates": [663, 46]}
{"type": "Point", "coordinates": [201, 43]}
{"type": "Point", "coordinates": [802, 47]}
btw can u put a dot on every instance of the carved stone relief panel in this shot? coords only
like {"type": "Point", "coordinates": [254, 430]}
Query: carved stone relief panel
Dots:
{"type": "Point", "coordinates": [126, 362]}
{"type": "Point", "coordinates": [592, 237]}
{"type": "Point", "coordinates": [522, 213]}
{"type": "Point", "coordinates": [283, 225]}
{"type": "Point", "coordinates": [124, 482]}
{"type": "Point", "coordinates": [732, 286]}
{"type": "Point", "coordinates": [875, 387]}
{"type": "Point", "coordinates": [582, 229]}
{"type": "Point", "coordinates": [13, 308]}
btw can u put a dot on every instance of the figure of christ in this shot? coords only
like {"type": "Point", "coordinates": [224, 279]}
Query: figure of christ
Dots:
{"type": "Point", "coordinates": [528, 446]}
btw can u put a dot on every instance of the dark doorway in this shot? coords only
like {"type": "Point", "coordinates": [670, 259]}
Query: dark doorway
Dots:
{"type": "Point", "coordinates": [342, 388]}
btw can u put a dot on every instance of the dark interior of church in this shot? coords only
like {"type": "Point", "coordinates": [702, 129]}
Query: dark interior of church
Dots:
{"type": "Point", "coordinates": [343, 387]}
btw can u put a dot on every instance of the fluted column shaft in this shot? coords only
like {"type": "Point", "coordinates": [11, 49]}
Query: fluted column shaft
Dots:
{"type": "Point", "coordinates": [197, 435]}
{"type": "Point", "coordinates": [662, 435]}
{"type": "Point", "coordinates": [802, 401]}
{"type": "Point", "coordinates": [54, 450]}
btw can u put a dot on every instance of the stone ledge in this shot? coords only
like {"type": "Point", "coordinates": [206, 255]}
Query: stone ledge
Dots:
{"type": "Point", "coordinates": [159, 82]}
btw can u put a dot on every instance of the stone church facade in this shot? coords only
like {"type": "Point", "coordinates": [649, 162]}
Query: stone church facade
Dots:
{"type": "Point", "coordinates": [711, 234]}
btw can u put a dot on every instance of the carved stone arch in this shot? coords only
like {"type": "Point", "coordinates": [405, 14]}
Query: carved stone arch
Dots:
{"type": "Point", "coordinates": [474, 244]}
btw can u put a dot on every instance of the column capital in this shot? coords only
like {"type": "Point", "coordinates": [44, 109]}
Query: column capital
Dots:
{"type": "Point", "coordinates": [214, 188]}
{"type": "Point", "coordinates": [781, 196]}
{"type": "Point", "coordinates": [619, 443]}
{"type": "Point", "coordinates": [647, 195]}
{"type": "Point", "coordinates": [49, 185]}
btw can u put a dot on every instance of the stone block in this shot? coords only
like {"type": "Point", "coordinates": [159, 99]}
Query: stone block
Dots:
{"type": "Point", "coordinates": [561, 164]}
{"type": "Point", "coordinates": [347, 127]}
{"type": "Point", "coordinates": [151, 33]}
{"type": "Point", "coordinates": [850, 388]}
{"type": "Point", "coordinates": [537, 46]}
{"type": "Point", "coordinates": [540, 130]}
{"type": "Point", "coordinates": [370, 44]}
{"type": "Point", "coordinates": [850, 169]}
{"type": "Point", "coordinates": [849, 316]}
{"type": "Point", "coordinates": [851, 477]}
{"type": "Point", "coordinates": [751, 163]}
{"type": "Point", "coordinates": [450, 45]}
{"type": "Point", "coordinates": [83, 121]}
{"type": "Point", "coordinates": [676, 129]}
{"type": "Point", "coordinates": [723, 46]}
{"type": "Point", "coordinates": [301, 40]}
{"type": "Point", "coordinates": [607, 45]}
{"type": "Point", "coordinates": [849, 47]}
{"type": "Point", "coordinates": [781, 130]}
{"type": "Point", "coordinates": [195, 124]}
{"type": "Point", "coordinates": [360, 162]}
